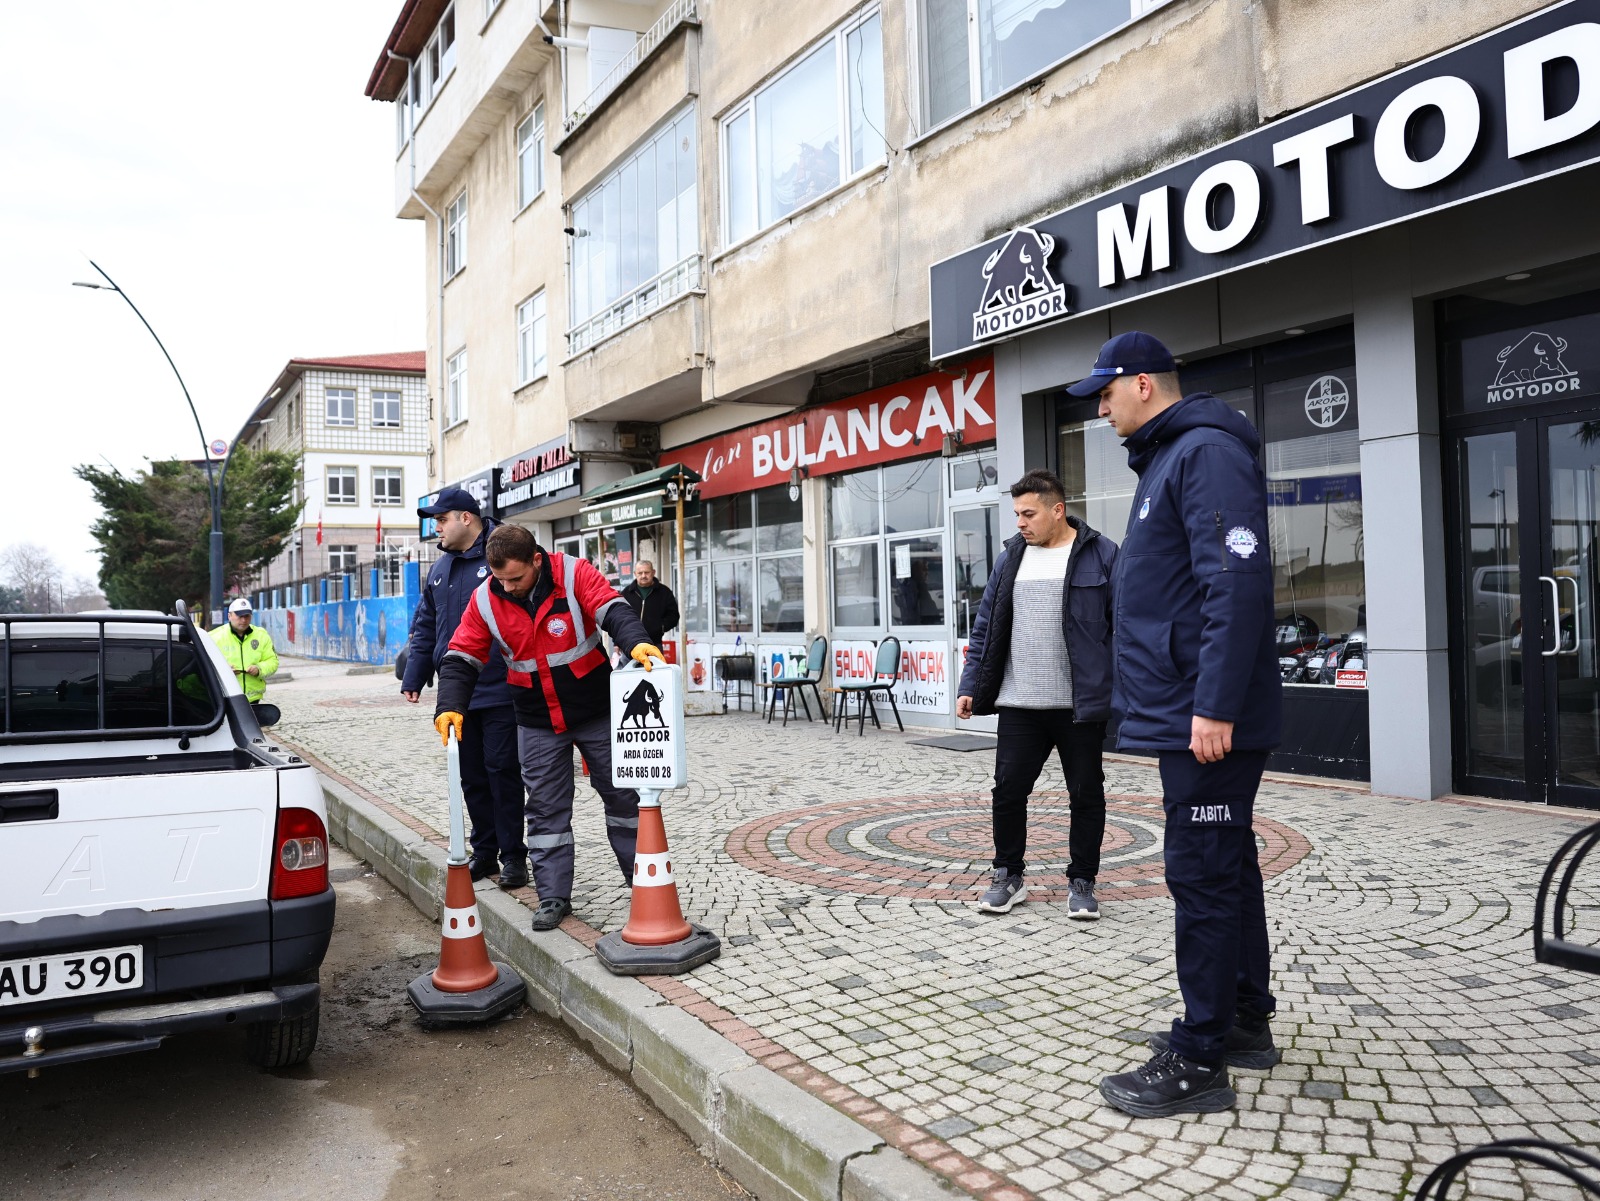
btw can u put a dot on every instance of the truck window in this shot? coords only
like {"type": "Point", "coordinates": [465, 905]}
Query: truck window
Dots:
{"type": "Point", "coordinates": [55, 686]}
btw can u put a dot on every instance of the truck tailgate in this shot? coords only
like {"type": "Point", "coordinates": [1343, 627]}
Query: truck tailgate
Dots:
{"type": "Point", "coordinates": [165, 841]}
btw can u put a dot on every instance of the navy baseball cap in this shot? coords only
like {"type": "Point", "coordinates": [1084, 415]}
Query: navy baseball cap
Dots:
{"type": "Point", "coordinates": [451, 500]}
{"type": "Point", "coordinates": [1132, 353]}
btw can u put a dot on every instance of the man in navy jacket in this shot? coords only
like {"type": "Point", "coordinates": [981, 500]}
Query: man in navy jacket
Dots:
{"type": "Point", "coordinates": [1197, 685]}
{"type": "Point", "coordinates": [491, 772]}
{"type": "Point", "coordinates": [1040, 657]}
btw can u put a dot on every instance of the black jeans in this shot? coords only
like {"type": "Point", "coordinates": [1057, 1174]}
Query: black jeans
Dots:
{"type": "Point", "coordinates": [491, 784]}
{"type": "Point", "coordinates": [1027, 736]}
{"type": "Point", "coordinates": [1219, 909]}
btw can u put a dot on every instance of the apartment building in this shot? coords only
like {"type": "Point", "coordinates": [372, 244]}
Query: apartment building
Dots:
{"type": "Point", "coordinates": [840, 260]}
{"type": "Point", "coordinates": [358, 425]}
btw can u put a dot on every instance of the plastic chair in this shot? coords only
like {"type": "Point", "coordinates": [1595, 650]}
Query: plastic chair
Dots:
{"type": "Point", "coordinates": [885, 675]}
{"type": "Point", "coordinates": [816, 661]}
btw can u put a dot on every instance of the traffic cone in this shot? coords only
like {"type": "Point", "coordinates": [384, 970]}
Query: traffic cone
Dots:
{"type": "Point", "coordinates": [654, 916]}
{"type": "Point", "coordinates": [656, 941]}
{"type": "Point", "coordinates": [467, 987]}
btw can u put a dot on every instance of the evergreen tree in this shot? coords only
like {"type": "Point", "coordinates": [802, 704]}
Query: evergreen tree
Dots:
{"type": "Point", "coordinates": [154, 530]}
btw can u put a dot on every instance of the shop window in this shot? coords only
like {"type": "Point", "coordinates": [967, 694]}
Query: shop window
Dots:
{"type": "Point", "coordinates": [692, 599]}
{"type": "Point", "coordinates": [905, 501]}
{"type": "Point", "coordinates": [779, 519]}
{"type": "Point", "coordinates": [855, 584]}
{"type": "Point", "coordinates": [731, 526]}
{"type": "Point", "coordinates": [733, 591]}
{"type": "Point", "coordinates": [855, 502]}
{"type": "Point", "coordinates": [1094, 470]}
{"type": "Point", "coordinates": [916, 569]}
{"type": "Point", "coordinates": [782, 588]}
{"type": "Point", "coordinates": [974, 473]}
{"type": "Point", "coordinates": [734, 583]}
{"type": "Point", "coordinates": [913, 498]}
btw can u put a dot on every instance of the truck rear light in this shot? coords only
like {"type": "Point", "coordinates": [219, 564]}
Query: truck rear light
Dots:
{"type": "Point", "coordinates": [300, 865]}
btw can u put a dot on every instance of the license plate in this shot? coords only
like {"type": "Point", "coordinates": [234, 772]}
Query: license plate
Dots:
{"type": "Point", "coordinates": [74, 974]}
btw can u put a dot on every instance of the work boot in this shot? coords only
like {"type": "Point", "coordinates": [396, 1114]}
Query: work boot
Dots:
{"type": "Point", "coordinates": [1007, 890]}
{"type": "Point", "coordinates": [1248, 1045]}
{"type": "Point", "coordinates": [481, 869]}
{"type": "Point", "coordinates": [1081, 905]}
{"type": "Point", "coordinates": [1170, 1084]}
{"type": "Point", "coordinates": [514, 874]}
{"type": "Point", "coordinates": [550, 912]}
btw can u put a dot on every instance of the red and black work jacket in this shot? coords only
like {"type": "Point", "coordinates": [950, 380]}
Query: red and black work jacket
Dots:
{"type": "Point", "coordinates": [555, 664]}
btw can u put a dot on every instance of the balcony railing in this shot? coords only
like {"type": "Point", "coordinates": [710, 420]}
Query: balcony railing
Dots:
{"type": "Point", "coordinates": [677, 12]}
{"type": "Point", "coordinates": [638, 304]}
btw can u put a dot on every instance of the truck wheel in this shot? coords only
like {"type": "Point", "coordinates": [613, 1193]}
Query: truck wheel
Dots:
{"type": "Point", "coordinates": [282, 1044]}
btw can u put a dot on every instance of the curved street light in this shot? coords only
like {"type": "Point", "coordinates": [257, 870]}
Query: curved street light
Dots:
{"type": "Point", "coordinates": [213, 483]}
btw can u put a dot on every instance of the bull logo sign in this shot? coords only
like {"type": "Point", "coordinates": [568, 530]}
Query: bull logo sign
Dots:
{"type": "Point", "coordinates": [1019, 289]}
{"type": "Point", "coordinates": [1531, 368]}
{"type": "Point", "coordinates": [647, 739]}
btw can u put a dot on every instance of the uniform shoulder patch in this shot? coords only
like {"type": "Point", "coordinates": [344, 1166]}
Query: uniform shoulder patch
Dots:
{"type": "Point", "coordinates": [1242, 542]}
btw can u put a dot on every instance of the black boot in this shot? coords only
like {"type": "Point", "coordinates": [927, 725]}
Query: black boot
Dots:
{"type": "Point", "coordinates": [514, 874]}
{"type": "Point", "coordinates": [1248, 1045]}
{"type": "Point", "coordinates": [1170, 1084]}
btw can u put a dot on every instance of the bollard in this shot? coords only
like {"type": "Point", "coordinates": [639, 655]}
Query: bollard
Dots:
{"type": "Point", "coordinates": [466, 987]}
{"type": "Point", "coordinates": [648, 754]}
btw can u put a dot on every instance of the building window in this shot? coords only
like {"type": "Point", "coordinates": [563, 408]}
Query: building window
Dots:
{"type": "Point", "coordinates": [455, 388]}
{"type": "Point", "coordinates": [429, 73]}
{"type": "Point", "coordinates": [886, 546]}
{"type": "Point", "coordinates": [532, 359]}
{"type": "Point", "coordinates": [636, 245]}
{"type": "Point", "coordinates": [342, 486]}
{"type": "Point", "coordinates": [385, 409]}
{"type": "Point", "coordinates": [972, 50]}
{"type": "Point", "coordinates": [455, 236]}
{"type": "Point", "coordinates": [530, 157]}
{"type": "Point", "coordinates": [745, 573]}
{"type": "Point", "coordinates": [341, 557]}
{"type": "Point", "coordinates": [386, 486]}
{"type": "Point", "coordinates": [805, 133]}
{"type": "Point", "coordinates": [341, 405]}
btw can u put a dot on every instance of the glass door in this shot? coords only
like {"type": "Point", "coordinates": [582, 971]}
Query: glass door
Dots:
{"type": "Point", "coordinates": [975, 543]}
{"type": "Point", "coordinates": [1529, 705]}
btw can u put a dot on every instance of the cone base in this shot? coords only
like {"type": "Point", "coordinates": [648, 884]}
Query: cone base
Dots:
{"type": "Point", "coordinates": [436, 1007]}
{"type": "Point", "coordinates": [628, 959]}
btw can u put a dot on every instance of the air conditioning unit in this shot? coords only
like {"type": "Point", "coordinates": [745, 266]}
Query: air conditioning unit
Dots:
{"type": "Point", "coordinates": [588, 437]}
{"type": "Point", "coordinates": [642, 438]}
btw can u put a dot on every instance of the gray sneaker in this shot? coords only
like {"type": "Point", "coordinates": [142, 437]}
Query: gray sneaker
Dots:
{"type": "Point", "coordinates": [1081, 905]}
{"type": "Point", "coordinates": [1007, 890]}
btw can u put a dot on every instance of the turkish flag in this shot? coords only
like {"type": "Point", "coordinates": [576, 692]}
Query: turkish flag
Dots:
{"type": "Point", "coordinates": [319, 527]}
{"type": "Point", "coordinates": [378, 541]}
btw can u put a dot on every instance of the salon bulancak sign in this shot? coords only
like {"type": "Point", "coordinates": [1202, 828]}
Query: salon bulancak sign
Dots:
{"type": "Point", "coordinates": [900, 421]}
{"type": "Point", "coordinates": [548, 473]}
{"type": "Point", "coordinates": [1515, 105]}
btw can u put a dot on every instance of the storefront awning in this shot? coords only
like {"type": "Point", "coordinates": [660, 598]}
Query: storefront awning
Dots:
{"type": "Point", "coordinates": [640, 499]}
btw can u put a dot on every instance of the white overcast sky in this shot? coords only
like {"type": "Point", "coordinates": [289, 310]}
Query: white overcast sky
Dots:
{"type": "Point", "coordinates": [222, 163]}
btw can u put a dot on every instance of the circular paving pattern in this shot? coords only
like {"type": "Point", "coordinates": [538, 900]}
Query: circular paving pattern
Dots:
{"type": "Point", "coordinates": [940, 847]}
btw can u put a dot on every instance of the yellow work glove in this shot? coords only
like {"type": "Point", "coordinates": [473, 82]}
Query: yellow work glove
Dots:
{"type": "Point", "coordinates": [446, 722]}
{"type": "Point", "coordinates": [643, 653]}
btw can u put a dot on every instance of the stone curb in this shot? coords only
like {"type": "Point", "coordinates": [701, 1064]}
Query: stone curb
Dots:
{"type": "Point", "coordinates": [370, 669]}
{"type": "Point", "coordinates": [773, 1137]}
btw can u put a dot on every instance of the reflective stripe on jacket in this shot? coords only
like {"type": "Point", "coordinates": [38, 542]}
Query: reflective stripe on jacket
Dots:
{"type": "Point", "coordinates": [255, 650]}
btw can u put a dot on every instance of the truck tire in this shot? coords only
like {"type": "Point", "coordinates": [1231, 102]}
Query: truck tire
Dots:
{"type": "Point", "coordinates": [283, 1044]}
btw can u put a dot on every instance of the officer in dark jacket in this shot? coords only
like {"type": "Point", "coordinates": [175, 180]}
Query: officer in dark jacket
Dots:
{"type": "Point", "coordinates": [1197, 685]}
{"type": "Point", "coordinates": [491, 775]}
{"type": "Point", "coordinates": [652, 601]}
{"type": "Point", "coordinates": [1040, 657]}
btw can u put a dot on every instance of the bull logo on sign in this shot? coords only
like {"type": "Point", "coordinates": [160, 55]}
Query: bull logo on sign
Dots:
{"type": "Point", "coordinates": [1537, 356]}
{"type": "Point", "coordinates": [1020, 269]}
{"type": "Point", "coordinates": [643, 700]}
{"type": "Point", "coordinates": [1019, 288]}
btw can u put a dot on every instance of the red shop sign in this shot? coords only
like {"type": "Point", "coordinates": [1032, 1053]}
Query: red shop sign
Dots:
{"type": "Point", "coordinates": [898, 422]}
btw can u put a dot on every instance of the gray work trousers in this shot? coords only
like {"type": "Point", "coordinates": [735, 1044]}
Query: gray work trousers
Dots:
{"type": "Point", "coordinates": [547, 772]}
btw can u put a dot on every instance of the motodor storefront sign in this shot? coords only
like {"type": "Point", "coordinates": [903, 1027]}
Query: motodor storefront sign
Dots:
{"type": "Point", "coordinates": [1519, 104]}
{"type": "Point", "coordinates": [900, 421]}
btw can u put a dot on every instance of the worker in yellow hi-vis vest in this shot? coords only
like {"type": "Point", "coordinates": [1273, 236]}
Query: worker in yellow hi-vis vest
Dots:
{"type": "Point", "coordinates": [248, 650]}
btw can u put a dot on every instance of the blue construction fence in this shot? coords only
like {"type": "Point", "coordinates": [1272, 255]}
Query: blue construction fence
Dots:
{"type": "Point", "coordinates": [304, 621]}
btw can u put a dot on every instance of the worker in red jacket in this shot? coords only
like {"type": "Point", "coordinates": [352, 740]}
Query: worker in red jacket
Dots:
{"type": "Point", "coordinates": [545, 612]}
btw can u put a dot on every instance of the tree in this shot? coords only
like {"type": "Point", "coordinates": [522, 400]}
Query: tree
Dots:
{"type": "Point", "coordinates": [28, 569]}
{"type": "Point", "coordinates": [154, 532]}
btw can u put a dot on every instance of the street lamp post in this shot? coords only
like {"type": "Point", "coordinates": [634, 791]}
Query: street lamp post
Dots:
{"type": "Point", "coordinates": [213, 483]}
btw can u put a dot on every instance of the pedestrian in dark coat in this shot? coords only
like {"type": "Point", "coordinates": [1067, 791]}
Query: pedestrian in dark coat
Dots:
{"type": "Point", "coordinates": [1197, 685]}
{"type": "Point", "coordinates": [491, 774]}
{"type": "Point", "coordinates": [1040, 657]}
{"type": "Point", "coordinates": [653, 601]}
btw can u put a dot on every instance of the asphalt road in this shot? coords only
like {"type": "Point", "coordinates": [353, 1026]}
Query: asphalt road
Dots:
{"type": "Point", "coordinates": [383, 1110]}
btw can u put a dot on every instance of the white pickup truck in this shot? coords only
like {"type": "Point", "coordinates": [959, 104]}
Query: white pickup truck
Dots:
{"type": "Point", "coordinates": [163, 866]}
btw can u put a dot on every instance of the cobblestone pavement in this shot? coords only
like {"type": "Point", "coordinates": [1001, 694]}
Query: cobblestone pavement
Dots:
{"type": "Point", "coordinates": [841, 871]}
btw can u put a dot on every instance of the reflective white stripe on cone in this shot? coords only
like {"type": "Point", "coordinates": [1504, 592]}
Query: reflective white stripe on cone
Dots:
{"type": "Point", "coordinates": [461, 923]}
{"type": "Point", "coordinates": [652, 871]}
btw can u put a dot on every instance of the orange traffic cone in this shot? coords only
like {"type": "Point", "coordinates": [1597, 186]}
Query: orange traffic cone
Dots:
{"type": "Point", "coordinates": [657, 940]}
{"type": "Point", "coordinates": [463, 955]}
{"type": "Point", "coordinates": [654, 916]}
